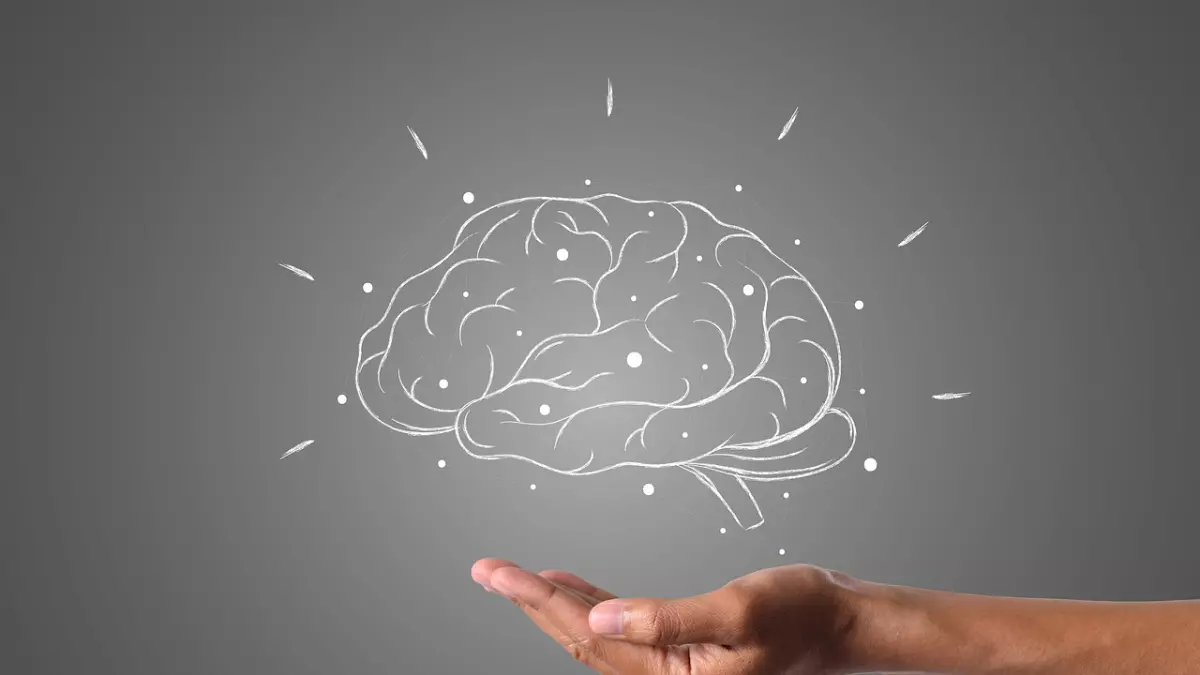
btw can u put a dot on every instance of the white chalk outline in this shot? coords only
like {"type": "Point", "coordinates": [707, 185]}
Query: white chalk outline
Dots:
{"type": "Point", "coordinates": [722, 462]}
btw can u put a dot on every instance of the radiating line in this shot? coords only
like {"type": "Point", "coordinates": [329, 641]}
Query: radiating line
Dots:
{"type": "Point", "coordinates": [951, 396]}
{"type": "Point", "coordinates": [610, 97]}
{"type": "Point", "coordinates": [297, 448]}
{"type": "Point", "coordinates": [420, 145]}
{"type": "Point", "coordinates": [788, 127]}
{"type": "Point", "coordinates": [913, 235]}
{"type": "Point", "coordinates": [296, 270]}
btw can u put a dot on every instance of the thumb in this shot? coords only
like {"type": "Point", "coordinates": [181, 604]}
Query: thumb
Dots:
{"type": "Point", "coordinates": [710, 618]}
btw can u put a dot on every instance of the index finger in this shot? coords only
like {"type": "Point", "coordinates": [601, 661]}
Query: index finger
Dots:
{"type": "Point", "coordinates": [578, 584]}
{"type": "Point", "coordinates": [569, 613]}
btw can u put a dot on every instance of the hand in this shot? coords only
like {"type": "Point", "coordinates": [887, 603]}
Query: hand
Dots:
{"type": "Point", "coordinates": [799, 619]}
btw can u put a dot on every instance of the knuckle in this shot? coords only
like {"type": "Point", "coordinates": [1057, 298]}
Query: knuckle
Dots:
{"type": "Point", "coordinates": [739, 593]}
{"type": "Point", "coordinates": [582, 651]}
{"type": "Point", "coordinates": [741, 602]}
{"type": "Point", "coordinates": [662, 624]}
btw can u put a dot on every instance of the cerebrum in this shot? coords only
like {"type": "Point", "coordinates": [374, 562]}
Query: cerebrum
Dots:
{"type": "Point", "coordinates": [583, 335]}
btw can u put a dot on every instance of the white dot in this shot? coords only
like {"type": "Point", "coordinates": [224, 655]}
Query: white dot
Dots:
{"type": "Point", "coordinates": [722, 530]}
{"type": "Point", "coordinates": [870, 464]}
{"type": "Point", "coordinates": [786, 495]}
{"type": "Point", "coordinates": [651, 214]}
{"type": "Point", "coordinates": [563, 254]}
{"type": "Point", "coordinates": [703, 366]}
{"type": "Point", "coordinates": [738, 187]}
{"type": "Point", "coordinates": [468, 197]}
{"type": "Point", "coordinates": [367, 287]}
{"type": "Point", "coordinates": [587, 181]}
{"type": "Point", "coordinates": [466, 294]}
{"type": "Point", "coordinates": [699, 258]}
{"type": "Point", "coordinates": [633, 298]}
{"type": "Point", "coordinates": [519, 333]}
{"type": "Point", "coordinates": [441, 463]}
{"type": "Point", "coordinates": [862, 391]}
{"type": "Point", "coordinates": [858, 304]}
{"type": "Point", "coordinates": [634, 359]}
{"type": "Point", "coordinates": [533, 486]}
{"type": "Point", "coordinates": [341, 399]}
{"type": "Point", "coordinates": [747, 290]}
{"type": "Point", "coordinates": [545, 409]}
{"type": "Point", "coordinates": [685, 434]}
{"type": "Point", "coordinates": [443, 384]}
{"type": "Point", "coordinates": [797, 242]}
{"type": "Point", "coordinates": [648, 489]}
{"type": "Point", "coordinates": [804, 380]}
{"type": "Point", "coordinates": [782, 552]}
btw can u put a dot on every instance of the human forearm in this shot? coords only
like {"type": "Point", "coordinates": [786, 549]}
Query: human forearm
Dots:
{"type": "Point", "coordinates": [913, 630]}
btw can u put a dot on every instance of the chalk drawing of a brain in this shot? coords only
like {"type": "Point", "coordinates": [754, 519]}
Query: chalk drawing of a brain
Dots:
{"type": "Point", "coordinates": [585, 335]}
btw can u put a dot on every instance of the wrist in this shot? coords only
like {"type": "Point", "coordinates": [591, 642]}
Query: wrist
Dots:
{"type": "Point", "coordinates": [895, 628]}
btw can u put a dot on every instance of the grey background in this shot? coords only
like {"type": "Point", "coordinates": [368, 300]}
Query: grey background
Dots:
{"type": "Point", "coordinates": [163, 160]}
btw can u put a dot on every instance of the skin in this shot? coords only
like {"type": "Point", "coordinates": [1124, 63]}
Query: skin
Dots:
{"type": "Point", "coordinates": [804, 620]}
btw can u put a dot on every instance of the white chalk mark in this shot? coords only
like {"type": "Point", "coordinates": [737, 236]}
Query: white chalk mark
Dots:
{"type": "Point", "coordinates": [870, 464]}
{"type": "Point", "coordinates": [634, 359]}
{"type": "Point", "coordinates": [341, 399]}
{"type": "Point", "coordinates": [648, 489]}
{"type": "Point", "coordinates": [297, 271]}
{"type": "Point", "coordinates": [951, 396]}
{"type": "Point", "coordinates": [725, 468]}
{"type": "Point", "coordinates": [420, 145]}
{"type": "Point", "coordinates": [367, 287]}
{"type": "Point", "coordinates": [913, 235]}
{"type": "Point", "coordinates": [788, 126]}
{"type": "Point", "coordinates": [610, 97]}
{"type": "Point", "coordinates": [441, 463]}
{"type": "Point", "coordinates": [297, 448]}
{"type": "Point", "coordinates": [468, 197]}
{"type": "Point", "coordinates": [858, 304]}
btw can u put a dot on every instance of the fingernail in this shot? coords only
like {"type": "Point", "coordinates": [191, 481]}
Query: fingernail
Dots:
{"type": "Point", "coordinates": [607, 618]}
{"type": "Point", "coordinates": [486, 586]}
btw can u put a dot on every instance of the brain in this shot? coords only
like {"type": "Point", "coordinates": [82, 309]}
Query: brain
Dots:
{"type": "Point", "coordinates": [584, 335]}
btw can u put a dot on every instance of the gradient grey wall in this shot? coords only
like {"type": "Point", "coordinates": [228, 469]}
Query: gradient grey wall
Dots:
{"type": "Point", "coordinates": [166, 160]}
